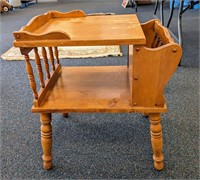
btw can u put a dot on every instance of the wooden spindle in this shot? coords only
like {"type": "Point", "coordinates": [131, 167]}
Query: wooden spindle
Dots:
{"type": "Point", "coordinates": [156, 140]}
{"type": "Point", "coordinates": [51, 58]}
{"type": "Point", "coordinates": [158, 42]}
{"type": "Point", "coordinates": [31, 77]}
{"type": "Point", "coordinates": [56, 55]}
{"type": "Point", "coordinates": [46, 139]}
{"type": "Point", "coordinates": [154, 40]}
{"type": "Point", "coordinates": [39, 67]}
{"type": "Point", "coordinates": [46, 64]}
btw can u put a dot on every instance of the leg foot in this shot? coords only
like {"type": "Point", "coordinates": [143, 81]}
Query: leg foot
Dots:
{"type": "Point", "coordinates": [158, 165]}
{"type": "Point", "coordinates": [156, 140]}
{"type": "Point", "coordinates": [46, 139]}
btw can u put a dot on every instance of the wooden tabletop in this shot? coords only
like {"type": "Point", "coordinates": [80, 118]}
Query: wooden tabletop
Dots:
{"type": "Point", "coordinates": [80, 30]}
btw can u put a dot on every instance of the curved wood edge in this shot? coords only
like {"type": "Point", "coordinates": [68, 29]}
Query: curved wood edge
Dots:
{"type": "Point", "coordinates": [70, 14]}
{"type": "Point", "coordinates": [27, 36]}
{"type": "Point", "coordinates": [41, 19]}
{"type": "Point", "coordinates": [159, 28]}
{"type": "Point", "coordinates": [163, 61]}
{"type": "Point", "coordinates": [149, 23]}
{"type": "Point", "coordinates": [168, 66]}
{"type": "Point", "coordinates": [163, 32]}
{"type": "Point", "coordinates": [37, 21]}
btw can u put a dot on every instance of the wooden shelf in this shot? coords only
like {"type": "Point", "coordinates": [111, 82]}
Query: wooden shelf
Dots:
{"type": "Point", "coordinates": [91, 89]}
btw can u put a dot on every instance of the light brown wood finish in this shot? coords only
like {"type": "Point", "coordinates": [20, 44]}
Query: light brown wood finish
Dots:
{"type": "Point", "coordinates": [31, 77]}
{"type": "Point", "coordinates": [153, 58]}
{"type": "Point", "coordinates": [156, 140]}
{"type": "Point", "coordinates": [39, 67]}
{"type": "Point", "coordinates": [56, 55]}
{"type": "Point", "coordinates": [152, 67]}
{"type": "Point", "coordinates": [51, 58]}
{"type": "Point", "coordinates": [46, 64]}
{"type": "Point", "coordinates": [74, 31]}
{"type": "Point", "coordinates": [91, 89]}
{"type": "Point", "coordinates": [46, 139]}
{"type": "Point", "coordinates": [48, 84]}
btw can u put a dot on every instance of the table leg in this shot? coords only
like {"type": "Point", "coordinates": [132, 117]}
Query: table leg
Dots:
{"type": "Point", "coordinates": [46, 139]}
{"type": "Point", "coordinates": [156, 140]}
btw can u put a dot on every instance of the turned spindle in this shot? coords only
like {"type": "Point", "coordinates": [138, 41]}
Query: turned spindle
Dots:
{"type": "Point", "coordinates": [56, 55]}
{"type": "Point", "coordinates": [156, 140]}
{"type": "Point", "coordinates": [39, 67]}
{"type": "Point", "coordinates": [154, 40]}
{"type": "Point", "coordinates": [46, 64]}
{"type": "Point", "coordinates": [51, 58]}
{"type": "Point", "coordinates": [46, 139]}
{"type": "Point", "coordinates": [31, 77]}
{"type": "Point", "coordinates": [158, 43]}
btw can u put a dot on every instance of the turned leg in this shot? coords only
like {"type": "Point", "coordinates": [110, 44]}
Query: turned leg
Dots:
{"type": "Point", "coordinates": [156, 140]}
{"type": "Point", "coordinates": [46, 139]}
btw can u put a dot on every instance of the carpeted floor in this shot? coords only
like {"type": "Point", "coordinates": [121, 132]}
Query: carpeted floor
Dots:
{"type": "Point", "coordinates": [93, 145]}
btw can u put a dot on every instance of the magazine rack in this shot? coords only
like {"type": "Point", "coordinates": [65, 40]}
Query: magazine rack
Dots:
{"type": "Point", "coordinates": [136, 88]}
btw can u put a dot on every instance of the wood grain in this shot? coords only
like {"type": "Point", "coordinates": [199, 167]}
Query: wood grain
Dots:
{"type": "Point", "coordinates": [151, 68]}
{"type": "Point", "coordinates": [48, 84]}
{"type": "Point", "coordinates": [104, 30]}
{"type": "Point", "coordinates": [91, 89]}
{"type": "Point", "coordinates": [139, 87]}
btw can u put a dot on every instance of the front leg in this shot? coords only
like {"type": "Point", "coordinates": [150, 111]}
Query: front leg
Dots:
{"type": "Point", "coordinates": [156, 140]}
{"type": "Point", "coordinates": [46, 139]}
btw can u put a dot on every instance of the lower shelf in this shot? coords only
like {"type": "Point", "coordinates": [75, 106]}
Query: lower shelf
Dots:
{"type": "Point", "coordinates": [91, 89]}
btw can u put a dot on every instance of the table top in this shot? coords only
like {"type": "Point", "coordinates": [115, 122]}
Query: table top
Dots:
{"type": "Point", "coordinates": [76, 28]}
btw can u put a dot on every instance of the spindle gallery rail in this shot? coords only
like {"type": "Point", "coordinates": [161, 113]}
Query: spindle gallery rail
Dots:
{"type": "Point", "coordinates": [50, 76]}
{"type": "Point", "coordinates": [152, 59]}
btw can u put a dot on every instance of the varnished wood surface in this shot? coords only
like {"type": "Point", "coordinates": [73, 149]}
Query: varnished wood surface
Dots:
{"type": "Point", "coordinates": [136, 88]}
{"type": "Point", "coordinates": [48, 83]}
{"type": "Point", "coordinates": [91, 89]}
{"type": "Point", "coordinates": [86, 30]}
{"type": "Point", "coordinates": [151, 66]}
{"type": "Point", "coordinates": [156, 140]}
{"type": "Point", "coordinates": [46, 139]}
